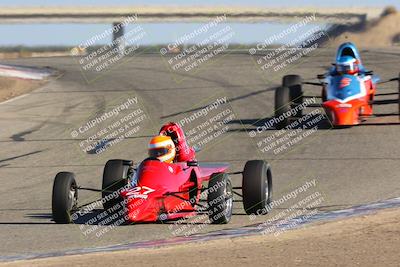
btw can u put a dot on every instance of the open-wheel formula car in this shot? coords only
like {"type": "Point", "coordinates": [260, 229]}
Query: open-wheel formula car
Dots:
{"type": "Point", "coordinates": [348, 93]}
{"type": "Point", "coordinates": [159, 191]}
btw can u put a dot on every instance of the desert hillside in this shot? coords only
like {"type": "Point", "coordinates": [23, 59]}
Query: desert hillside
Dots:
{"type": "Point", "coordinates": [381, 32]}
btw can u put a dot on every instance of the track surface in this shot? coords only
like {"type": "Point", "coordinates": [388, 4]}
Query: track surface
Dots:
{"type": "Point", "coordinates": [352, 166]}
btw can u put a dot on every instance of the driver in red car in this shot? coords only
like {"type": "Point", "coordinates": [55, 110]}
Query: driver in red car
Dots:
{"type": "Point", "coordinates": [163, 148]}
{"type": "Point", "coordinates": [182, 150]}
{"type": "Point", "coordinates": [169, 146]}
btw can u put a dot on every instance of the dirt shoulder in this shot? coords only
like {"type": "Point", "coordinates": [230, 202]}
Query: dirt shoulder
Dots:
{"type": "Point", "coordinates": [371, 240]}
{"type": "Point", "coordinates": [12, 87]}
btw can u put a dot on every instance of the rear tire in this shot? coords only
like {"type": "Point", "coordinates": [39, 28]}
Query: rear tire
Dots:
{"type": "Point", "coordinates": [114, 178]}
{"type": "Point", "coordinates": [65, 197]}
{"type": "Point", "coordinates": [399, 93]}
{"type": "Point", "coordinates": [282, 106]}
{"type": "Point", "coordinates": [287, 97]}
{"type": "Point", "coordinates": [323, 94]}
{"type": "Point", "coordinates": [257, 187]}
{"type": "Point", "coordinates": [294, 83]}
{"type": "Point", "coordinates": [220, 198]}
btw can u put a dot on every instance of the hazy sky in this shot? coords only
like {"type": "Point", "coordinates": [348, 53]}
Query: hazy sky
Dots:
{"type": "Point", "coordinates": [156, 33]}
{"type": "Point", "coordinates": [204, 2]}
{"type": "Point", "coordinates": [72, 34]}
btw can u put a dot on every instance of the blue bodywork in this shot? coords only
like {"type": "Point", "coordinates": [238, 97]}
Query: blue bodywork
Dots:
{"type": "Point", "coordinates": [335, 81]}
{"type": "Point", "coordinates": [348, 49]}
{"type": "Point", "coordinates": [343, 86]}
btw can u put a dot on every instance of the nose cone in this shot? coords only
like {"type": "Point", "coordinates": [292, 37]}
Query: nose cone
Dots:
{"type": "Point", "coordinates": [142, 210]}
{"type": "Point", "coordinates": [341, 114]}
{"type": "Point", "coordinates": [345, 116]}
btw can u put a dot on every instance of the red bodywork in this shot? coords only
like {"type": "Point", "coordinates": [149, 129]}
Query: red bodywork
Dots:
{"type": "Point", "coordinates": [162, 192]}
{"type": "Point", "coordinates": [164, 189]}
{"type": "Point", "coordinates": [350, 112]}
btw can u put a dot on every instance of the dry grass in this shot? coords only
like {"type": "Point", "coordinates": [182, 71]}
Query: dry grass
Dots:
{"type": "Point", "coordinates": [12, 87]}
{"type": "Point", "coordinates": [380, 33]}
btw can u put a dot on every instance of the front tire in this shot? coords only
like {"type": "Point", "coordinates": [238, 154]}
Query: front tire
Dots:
{"type": "Point", "coordinates": [220, 198]}
{"type": "Point", "coordinates": [257, 187]}
{"type": "Point", "coordinates": [65, 197]}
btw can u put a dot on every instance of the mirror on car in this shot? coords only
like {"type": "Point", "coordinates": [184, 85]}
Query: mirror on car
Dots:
{"type": "Point", "coordinates": [192, 163]}
{"type": "Point", "coordinates": [196, 148]}
{"type": "Point", "coordinates": [370, 72]}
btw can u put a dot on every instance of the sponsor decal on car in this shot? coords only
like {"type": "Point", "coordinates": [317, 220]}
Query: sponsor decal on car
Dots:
{"type": "Point", "coordinates": [344, 105]}
{"type": "Point", "coordinates": [344, 82]}
{"type": "Point", "coordinates": [139, 192]}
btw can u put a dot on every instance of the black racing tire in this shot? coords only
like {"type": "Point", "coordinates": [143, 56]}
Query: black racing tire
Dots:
{"type": "Point", "coordinates": [65, 197]}
{"type": "Point", "coordinates": [257, 187]}
{"type": "Point", "coordinates": [220, 198]}
{"type": "Point", "coordinates": [115, 176]}
{"type": "Point", "coordinates": [323, 94]}
{"type": "Point", "coordinates": [294, 83]}
{"type": "Point", "coordinates": [282, 106]}
{"type": "Point", "coordinates": [398, 93]}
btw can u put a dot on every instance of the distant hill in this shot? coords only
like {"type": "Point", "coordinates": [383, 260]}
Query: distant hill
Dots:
{"type": "Point", "coordinates": [381, 32]}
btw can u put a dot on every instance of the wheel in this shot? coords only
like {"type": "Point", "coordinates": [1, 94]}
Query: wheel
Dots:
{"type": "Point", "coordinates": [330, 118]}
{"type": "Point", "coordinates": [399, 92]}
{"type": "Point", "coordinates": [114, 178]}
{"type": "Point", "coordinates": [65, 197]}
{"type": "Point", "coordinates": [293, 82]}
{"type": "Point", "coordinates": [282, 106]}
{"type": "Point", "coordinates": [220, 198]}
{"type": "Point", "coordinates": [288, 97]}
{"type": "Point", "coordinates": [257, 187]}
{"type": "Point", "coordinates": [323, 94]}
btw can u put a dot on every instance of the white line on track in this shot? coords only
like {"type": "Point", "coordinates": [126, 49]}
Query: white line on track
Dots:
{"type": "Point", "coordinates": [13, 99]}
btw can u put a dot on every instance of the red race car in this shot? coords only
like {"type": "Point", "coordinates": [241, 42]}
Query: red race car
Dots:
{"type": "Point", "coordinates": [348, 93]}
{"type": "Point", "coordinates": [158, 190]}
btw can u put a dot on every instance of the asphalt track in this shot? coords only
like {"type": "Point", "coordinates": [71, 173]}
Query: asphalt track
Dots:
{"type": "Point", "coordinates": [351, 166]}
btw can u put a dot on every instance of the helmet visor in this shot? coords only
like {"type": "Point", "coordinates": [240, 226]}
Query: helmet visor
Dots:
{"type": "Point", "coordinates": [158, 152]}
{"type": "Point", "coordinates": [346, 68]}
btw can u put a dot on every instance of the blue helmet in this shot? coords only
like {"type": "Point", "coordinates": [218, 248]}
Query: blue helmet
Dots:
{"type": "Point", "coordinates": [347, 65]}
{"type": "Point", "coordinates": [348, 49]}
